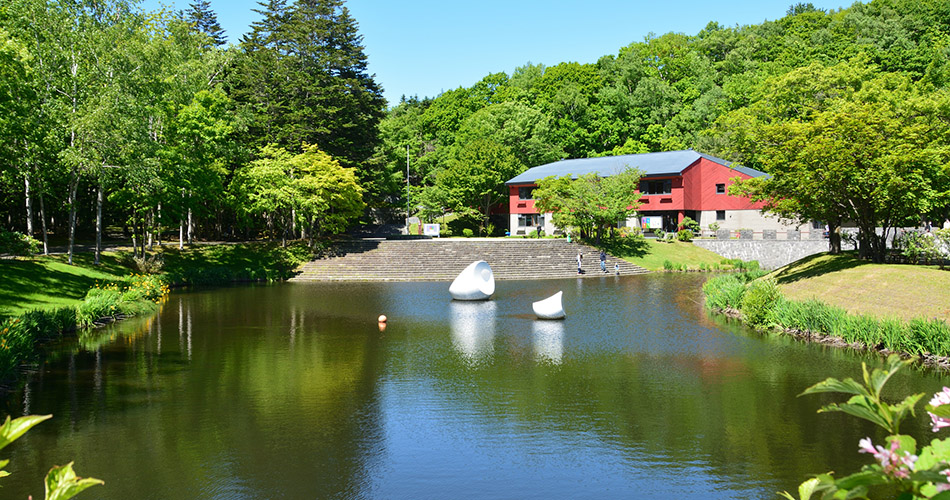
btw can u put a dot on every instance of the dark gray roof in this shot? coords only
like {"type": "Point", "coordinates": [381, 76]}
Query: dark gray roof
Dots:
{"type": "Point", "coordinates": [652, 164]}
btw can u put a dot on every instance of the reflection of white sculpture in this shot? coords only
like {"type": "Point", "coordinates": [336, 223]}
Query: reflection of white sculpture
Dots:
{"type": "Point", "coordinates": [548, 341]}
{"type": "Point", "coordinates": [476, 282]}
{"type": "Point", "coordinates": [473, 329]}
{"type": "Point", "coordinates": [549, 308]}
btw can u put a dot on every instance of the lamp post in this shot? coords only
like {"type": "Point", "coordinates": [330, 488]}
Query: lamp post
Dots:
{"type": "Point", "coordinates": [407, 189]}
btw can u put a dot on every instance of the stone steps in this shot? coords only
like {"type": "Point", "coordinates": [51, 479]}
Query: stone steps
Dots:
{"type": "Point", "coordinates": [443, 259]}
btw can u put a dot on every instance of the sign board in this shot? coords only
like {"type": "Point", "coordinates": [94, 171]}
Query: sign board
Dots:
{"type": "Point", "coordinates": [430, 230]}
{"type": "Point", "coordinates": [651, 223]}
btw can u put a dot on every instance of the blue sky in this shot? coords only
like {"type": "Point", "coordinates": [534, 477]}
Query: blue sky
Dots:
{"type": "Point", "coordinates": [424, 47]}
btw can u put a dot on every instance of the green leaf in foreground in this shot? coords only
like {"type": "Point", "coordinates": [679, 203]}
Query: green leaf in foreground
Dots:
{"type": "Point", "coordinates": [62, 483]}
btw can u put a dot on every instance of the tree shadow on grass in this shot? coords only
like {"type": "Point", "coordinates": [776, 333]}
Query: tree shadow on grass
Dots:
{"type": "Point", "coordinates": [628, 247]}
{"type": "Point", "coordinates": [25, 280]}
{"type": "Point", "coordinates": [817, 265]}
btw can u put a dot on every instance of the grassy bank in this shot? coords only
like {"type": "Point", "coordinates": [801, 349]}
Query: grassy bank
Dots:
{"type": "Point", "coordinates": [657, 256]}
{"type": "Point", "coordinates": [762, 302]}
{"type": "Point", "coordinates": [860, 287]}
{"type": "Point", "coordinates": [43, 298]}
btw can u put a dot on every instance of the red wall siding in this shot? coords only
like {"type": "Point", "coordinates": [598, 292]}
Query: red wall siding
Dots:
{"type": "Point", "coordinates": [520, 206]}
{"type": "Point", "coordinates": [702, 177]}
{"type": "Point", "coordinates": [695, 190]}
{"type": "Point", "coordinates": [672, 201]}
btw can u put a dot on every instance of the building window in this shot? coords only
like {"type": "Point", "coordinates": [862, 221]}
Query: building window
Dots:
{"type": "Point", "coordinates": [656, 187]}
{"type": "Point", "coordinates": [530, 220]}
{"type": "Point", "coordinates": [720, 189]}
{"type": "Point", "coordinates": [526, 193]}
{"type": "Point", "coordinates": [720, 215]}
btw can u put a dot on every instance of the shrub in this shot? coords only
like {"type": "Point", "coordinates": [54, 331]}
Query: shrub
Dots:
{"type": "Point", "coordinates": [19, 244]}
{"type": "Point", "coordinates": [153, 264]}
{"type": "Point", "coordinates": [684, 235]}
{"type": "Point", "coordinates": [468, 233]}
{"type": "Point", "coordinates": [659, 233]}
{"type": "Point", "coordinates": [490, 229]}
{"type": "Point", "coordinates": [667, 265]}
{"type": "Point", "coordinates": [533, 234]}
{"type": "Point", "coordinates": [714, 226]}
{"type": "Point", "coordinates": [758, 301]}
{"type": "Point", "coordinates": [690, 225]}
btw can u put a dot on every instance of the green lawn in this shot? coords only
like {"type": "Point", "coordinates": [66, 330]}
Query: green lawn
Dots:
{"type": "Point", "coordinates": [48, 281]}
{"type": "Point", "coordinates": [650, 254]}
{"type": "Point", "coordinates": [861, 287]}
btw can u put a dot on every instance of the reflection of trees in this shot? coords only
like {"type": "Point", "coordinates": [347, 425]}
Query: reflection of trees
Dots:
{"type": "Point", "coordinates": [276, 394]}
{"type": "Point", "coordinates": [226, 408]}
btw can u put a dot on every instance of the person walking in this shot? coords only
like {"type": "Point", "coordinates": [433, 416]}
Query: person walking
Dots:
{"type": "Point", "coordinates": [603, 261]}
{"type": "Point", "coordinates": [579, 257]}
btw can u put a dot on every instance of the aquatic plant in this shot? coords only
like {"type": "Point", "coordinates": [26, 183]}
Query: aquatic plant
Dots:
{"type": "Point", "coordinates": [758, 301]}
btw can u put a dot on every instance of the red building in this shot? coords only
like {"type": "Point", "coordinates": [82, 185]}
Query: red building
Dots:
{"type": "Point", "coordinates": [675, 184]}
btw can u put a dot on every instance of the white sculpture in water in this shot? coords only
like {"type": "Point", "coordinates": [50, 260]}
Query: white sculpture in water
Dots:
{"type": "Point", "coordinates": [549, 308]}
{"type": "Point", "coordinates": [476, 282]}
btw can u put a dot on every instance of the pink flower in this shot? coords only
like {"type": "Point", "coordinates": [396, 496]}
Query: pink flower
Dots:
{"type": "Point", "coordinates": [898, 466]}
{"type": "Point", "coordinates": [944, 486]}
{"type": "Point", "coordinates": [941, 398]}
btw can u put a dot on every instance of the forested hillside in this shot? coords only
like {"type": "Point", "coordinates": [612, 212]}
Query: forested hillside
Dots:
{"type": "Point", "coordinates": [145, 122]}
{"type": "Point", "coordinates": [714, 91]}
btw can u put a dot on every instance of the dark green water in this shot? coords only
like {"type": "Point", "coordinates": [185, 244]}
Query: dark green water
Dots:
{"type": "Point", "coordinates": [291, 391]}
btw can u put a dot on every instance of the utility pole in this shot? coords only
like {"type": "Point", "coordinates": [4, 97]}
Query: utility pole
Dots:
{"type": "Point", "coordinates": [407, 189]}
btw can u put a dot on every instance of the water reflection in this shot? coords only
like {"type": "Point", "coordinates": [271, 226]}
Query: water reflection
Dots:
{"type": "Point", "coordinates": [548, 339]}
{"type": "Point", "coordinates": [473, 329]}
{"type": "Point", "coordinates": [292, 392]}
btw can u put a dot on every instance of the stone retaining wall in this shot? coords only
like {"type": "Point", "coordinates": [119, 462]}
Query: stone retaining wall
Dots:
{"type": "Point", "coordinates": [770, 253]}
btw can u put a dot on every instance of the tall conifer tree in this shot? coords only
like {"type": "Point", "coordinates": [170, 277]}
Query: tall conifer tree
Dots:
{"type": "Point", "coordinates": [206, 21]}
{"type": "Point", "coordinates": [303, 78]}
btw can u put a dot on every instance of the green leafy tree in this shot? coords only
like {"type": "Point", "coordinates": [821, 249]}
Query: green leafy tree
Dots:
{"type": "Point", "coordinates": [844, 143]}
{"type": "Point", "coordinates": [475, 179]}
{"type": "Point", "coordinates": [309, 188]}
{"type": "Point", "coordinates": [590, 203]}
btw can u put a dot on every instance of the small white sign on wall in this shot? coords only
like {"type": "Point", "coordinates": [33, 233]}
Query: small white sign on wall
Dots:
{"type": "Point", "coordinates": [430, 230]}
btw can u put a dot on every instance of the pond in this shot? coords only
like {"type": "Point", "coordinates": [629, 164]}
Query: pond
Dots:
{"type": "Point", "coordinates": [292, 391]}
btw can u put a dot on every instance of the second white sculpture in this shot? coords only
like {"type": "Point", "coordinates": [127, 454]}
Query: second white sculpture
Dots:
{"type": "Point", "coordinates": [549, 308]}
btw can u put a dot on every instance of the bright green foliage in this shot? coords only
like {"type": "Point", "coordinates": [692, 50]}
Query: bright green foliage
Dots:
{"type": "Point", "coordinates": [475, 179]}
{"type": "Point", "coordinates": [690, 224]}
{"type": "Point", "coordinates": [899, 467]}
{"type": "Point", "coordinates": [847, 143]}
{"type": "Point", "coordinates": [62, 483]}
{"type": "Point", "coordinates": [758, 301]}
{"type": "Point", "coordinates": [589, 203]}
{"type": "Point", "coordinates": [866, 401]}
{"type": "Point", "coordinates": [14, 243]}
{"type": "Point", "coordinates": [310, 188]}
{"type": "Point", "coordinates": [724, 292]}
